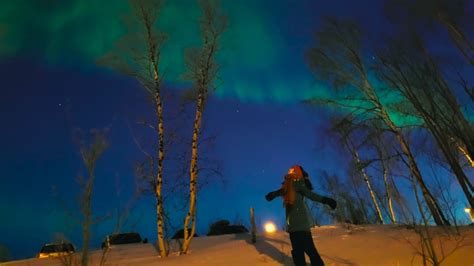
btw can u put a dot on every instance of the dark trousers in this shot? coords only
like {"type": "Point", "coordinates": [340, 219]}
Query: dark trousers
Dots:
{"type": "Point", "coordinates": [302, 242]}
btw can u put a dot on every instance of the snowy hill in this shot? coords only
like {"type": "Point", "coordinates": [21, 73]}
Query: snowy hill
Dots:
{"type": "Point", "coordinates": [338, 245]}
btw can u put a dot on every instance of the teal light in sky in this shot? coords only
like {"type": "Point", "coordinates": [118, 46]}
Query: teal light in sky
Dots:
{"type": "Point", "coordinates": [258, 62]}
{"type": "Point", "coordinates": [77, 33]}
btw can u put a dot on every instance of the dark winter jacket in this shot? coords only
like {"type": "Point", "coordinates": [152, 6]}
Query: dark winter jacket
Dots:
{"type": "Point", "coordinates": [298, 217]}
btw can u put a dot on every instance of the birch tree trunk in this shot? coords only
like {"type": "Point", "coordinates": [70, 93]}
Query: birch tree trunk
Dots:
{"type": "Point", "coordinates": [393, 218]}
{"type": "Point", "coordinates": [465, 153]}
{"type": "Point", "coordinates": [138, 55]}
{"type": "Point", "coordinates": [385, 172]}
{"type": "Point", "coordinates": [202, 70]}
{"type": "Point", "coordinates": [154, 41]}
{"type": "Point", "coordinates": [378, 212]}
{"type": "Point", "coordinates": [153, 57]}
{"type": "Point", "coordinates": [159, 179]}
{"type": "Point", "coordinates": [433, 206]}
{"type": "Point", "coordinates": [191, 215]}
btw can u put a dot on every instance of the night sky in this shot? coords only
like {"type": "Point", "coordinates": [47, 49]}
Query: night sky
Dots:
{"type": "Point", "coordinates": [51, 84]}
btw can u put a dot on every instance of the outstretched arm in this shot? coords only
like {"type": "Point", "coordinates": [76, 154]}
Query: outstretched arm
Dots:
{"type": "Point", "coordinates": [301, 188]}
{"type": "Point", "coordinates": [270, 196]}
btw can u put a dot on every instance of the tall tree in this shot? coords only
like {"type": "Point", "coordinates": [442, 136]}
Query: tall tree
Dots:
{"type": "Point", "coordinates": [344, 128]}
{"type": "Point", "coordinates": [453, 16]}
{"type": "Point", "coordinates": [337, 58]}
{"type": "Point", "coordinates": [138, 54]}
{"type": "Point", "coordinates": [202, 70]}
{"type": "Point", "coordinates": [90, 153]}
{"type": "Point", "coordinates": [368, 137]}
{"type": "Point", "coordinates": [407, 68]}
{"type": "Point", "coordinates": [384, 158]}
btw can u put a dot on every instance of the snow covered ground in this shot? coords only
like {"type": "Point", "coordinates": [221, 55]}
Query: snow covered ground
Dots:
{"type": "Point", "coordinates": [338, 245]}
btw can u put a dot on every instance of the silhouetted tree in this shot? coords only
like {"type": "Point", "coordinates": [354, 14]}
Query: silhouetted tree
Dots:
{"type": "Point", "coordinates": [337, 59]}
{"type": "Point", "coordinates": [407, 68]}
{"type": "Point", "coordinates": [90, 153]}
{"type": "Point", "coordinates": [452, 15]}
{"type": "Point", "coordinates": [384, 159]}
{"type": "Point", "coordinates": [345, 129]}
{"type": "Point", "coordinates": [352, 205]}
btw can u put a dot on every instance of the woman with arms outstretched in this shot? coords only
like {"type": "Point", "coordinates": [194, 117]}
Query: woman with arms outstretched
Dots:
{"type": "Point", "coordinates": [294, 190]}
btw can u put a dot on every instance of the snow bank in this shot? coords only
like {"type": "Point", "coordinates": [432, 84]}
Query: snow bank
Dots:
{"type": "Point", "coordinates": [338, 245]}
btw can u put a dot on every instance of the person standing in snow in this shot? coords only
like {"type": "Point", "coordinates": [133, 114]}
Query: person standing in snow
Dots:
{"type": "Point", "coordinates": [294, 190]}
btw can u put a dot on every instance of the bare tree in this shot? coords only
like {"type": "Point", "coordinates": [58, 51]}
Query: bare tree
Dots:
{"type": "Point", "coordinates": [469, 90]}
{"type": "Point", "coordinates": [345, 128]}
{"type": "Point", "coordinates": [202, 70]}
{"type": "Point", "coordinates": [337, 58]}
{"type": "Point", "coordinates": [432, 241]}
{"type": "Point", "coordinates": [90, 153]}
{"type": "Point", "coordinates": [382, 158]}
{"type": "Point", "coordinates": [350, 193]}
{"type": "Point", "coordinates": [138, 55]}
{"type": "Point", "coordinates": [452, 15]}
{"type": "Point", "coordinates": [176, 189]}
{"type": "Point", "coordinates": [407, 68]}
{"type": "Point", "coordinates": [432, 246]}
{"type": "Point", "coordinates": [389, 185]}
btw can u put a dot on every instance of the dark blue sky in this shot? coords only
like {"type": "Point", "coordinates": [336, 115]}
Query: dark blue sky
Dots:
{"type": "Point", "coordinates": [50, 85]}
{"type": "Point", "coordinates": [255, 144]}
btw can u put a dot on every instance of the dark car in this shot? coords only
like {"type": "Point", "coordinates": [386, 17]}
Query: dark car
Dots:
{"type": "Point", "coordinates": [122, 238]}
{"type": "Point", "coordinates": [56, 250]}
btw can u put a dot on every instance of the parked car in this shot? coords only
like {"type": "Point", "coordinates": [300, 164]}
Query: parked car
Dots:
{"type": "Point", "coordinates": [122, 238]}
{"type": "Point", "coordinates": [56, 250]}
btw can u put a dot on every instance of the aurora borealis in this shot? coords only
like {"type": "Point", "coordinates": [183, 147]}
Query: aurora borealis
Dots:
{"type": "Point", "coordinates": [263, 39]}
{"type": "Point", "coordinates": [51, 83]}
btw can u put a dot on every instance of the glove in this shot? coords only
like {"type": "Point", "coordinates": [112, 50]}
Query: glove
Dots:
{"type": "Point", "coordinates": [270, 196]}
{"type": "Point", "coordinates": [328, 201]}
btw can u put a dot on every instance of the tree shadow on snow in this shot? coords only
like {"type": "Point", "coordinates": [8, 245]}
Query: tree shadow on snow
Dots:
{"type": "Point", "coordinates": [338, 260]}
{"type": "Point", "coordinates": [276, 249]}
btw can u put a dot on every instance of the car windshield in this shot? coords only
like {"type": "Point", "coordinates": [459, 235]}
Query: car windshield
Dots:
{"type": "Point", "coordinates": [66, 247]}
{"type": "Point", "coordinates": [126, 238]}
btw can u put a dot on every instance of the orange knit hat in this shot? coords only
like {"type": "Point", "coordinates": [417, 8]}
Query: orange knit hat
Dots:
{"type": "Point", "coordinates": [296, 172]}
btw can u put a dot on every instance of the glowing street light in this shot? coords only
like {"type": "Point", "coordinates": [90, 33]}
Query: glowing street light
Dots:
{"type": "Point", "coordinates": [270, 227]}
{"type": "Point", "coordinates": [470, 212]}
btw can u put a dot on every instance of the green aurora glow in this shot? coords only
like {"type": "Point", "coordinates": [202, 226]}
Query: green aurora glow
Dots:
{"type": "Point", "coordinates": [79, 32]}
{"type": "Point", "coordinates": [254, 54]}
